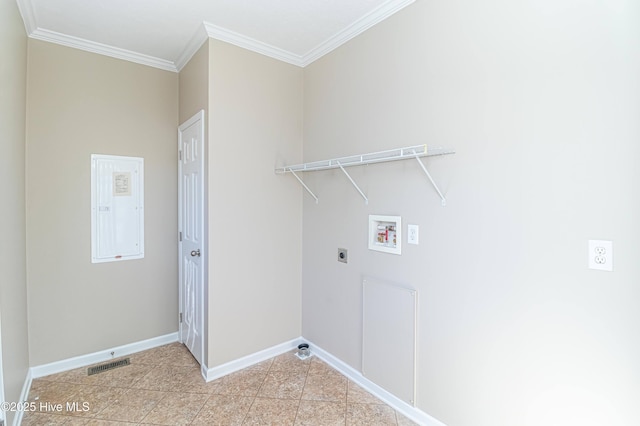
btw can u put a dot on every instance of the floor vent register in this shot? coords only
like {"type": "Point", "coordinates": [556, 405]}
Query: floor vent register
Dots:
{"type": "Point", "coordinates": [108, 366]}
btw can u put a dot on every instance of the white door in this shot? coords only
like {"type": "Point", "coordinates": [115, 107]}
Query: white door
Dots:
{"type": "Point", "coordinates": [191, 231]}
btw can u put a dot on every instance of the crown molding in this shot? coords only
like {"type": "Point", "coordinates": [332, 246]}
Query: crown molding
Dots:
{"type": "Point", "coordinates": [208, 30]}
{"type": "Point", "coordinates": [223, 34]}
{"type": "Point", "coordinates": [192, 46]}
{"type": "Point", "coordinates": [28, 15]}
{"type": "Point", "coordinates": [102, 49]}
{"type": "Point", "coordinates": [358, 27]}
{"type": "Point", "coordinates": [30, 23]}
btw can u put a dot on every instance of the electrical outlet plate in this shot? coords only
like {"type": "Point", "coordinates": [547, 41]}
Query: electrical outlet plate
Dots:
{"type": "Point", "coordinates": [601, 255]}
{"type": "Point", "coordinates": [342, 255]}
{"type": "Point", "coordinates": [413, 234]}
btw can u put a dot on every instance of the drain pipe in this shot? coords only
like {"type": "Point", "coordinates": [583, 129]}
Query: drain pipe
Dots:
{"type": "Point", "coordinates": [303, 351]}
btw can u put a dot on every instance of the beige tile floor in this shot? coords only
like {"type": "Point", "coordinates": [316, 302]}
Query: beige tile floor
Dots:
{"type": "Point", "coordinates": [163, 386]}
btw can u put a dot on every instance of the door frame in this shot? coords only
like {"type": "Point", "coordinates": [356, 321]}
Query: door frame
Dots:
{"type": "Point", "coordinates": [3, 418]}
{"type": "Point", "coordinates": [200, 115]}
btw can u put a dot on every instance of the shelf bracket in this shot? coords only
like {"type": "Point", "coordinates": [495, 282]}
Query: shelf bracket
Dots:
{"type": "Point", "coordinates": [303, 184]}
{"type": "Point", "coordinates": [406, 153]}
{"type": "Point", "coordinates": [366, 200]}
{"type": "Point", "coordinates": [442, 199]}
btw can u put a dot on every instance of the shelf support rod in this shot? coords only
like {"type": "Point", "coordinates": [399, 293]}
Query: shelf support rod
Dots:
{"type": "Point", "coordinates": [443, 200]}
{"type": "Point", "coordinates": [366, 200]}
{"type": "Point", "coordinates": [303, 184]}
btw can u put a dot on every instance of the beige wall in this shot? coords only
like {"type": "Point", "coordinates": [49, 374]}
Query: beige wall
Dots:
{"type": "Point", "coordinates": [69, 88]}
{"type": "Point", "coordinates": [13, 285]}
{"type": "Point", "coordinates": [79, 104]}
{"type": "Point", "coordinates": [194, 85]}
{"type": "Point", "coordinates": [541, 101]}
{"type": "Point", "coordinates": [254, 215]}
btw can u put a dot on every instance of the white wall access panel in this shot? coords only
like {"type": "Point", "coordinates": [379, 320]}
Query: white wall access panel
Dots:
{"type": "Point", "coordinates": [117, 208]}
{"type": "Point", "coordinates": [389, 337]}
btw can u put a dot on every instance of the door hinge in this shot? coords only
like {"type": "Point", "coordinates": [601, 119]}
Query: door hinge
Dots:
{"type": "Point", "coordinates": [180, 155]}
{"type": "Point", "coordinates": [180, 317]}
{"type": "Point", "coordinates": [180, 235]}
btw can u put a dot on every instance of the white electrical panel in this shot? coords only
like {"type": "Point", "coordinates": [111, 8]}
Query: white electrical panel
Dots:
{"type": "Point", "coordinates": [117, 208]}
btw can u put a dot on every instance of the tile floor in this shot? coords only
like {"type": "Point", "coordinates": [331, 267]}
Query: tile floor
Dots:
{"type": "Point", "coordinates": [163, 386]}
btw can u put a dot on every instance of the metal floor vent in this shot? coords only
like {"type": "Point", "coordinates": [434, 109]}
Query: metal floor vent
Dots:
{"type": "Point", "coordinates": [108, 366]}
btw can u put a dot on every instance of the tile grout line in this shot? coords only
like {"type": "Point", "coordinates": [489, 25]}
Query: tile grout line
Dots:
{"type": "Point", "coordinates": [301, 393]}
{"type": "Point", "coordinates": [346, 403]}
{"type": "Point", "coordinates": [152, 365]}
{"type": "Point", "coordinates": [257, 392]}
{"type": "Point", "coordinates": [200, 410]}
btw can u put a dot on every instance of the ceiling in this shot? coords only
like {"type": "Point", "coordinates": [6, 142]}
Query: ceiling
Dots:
{"type": "Point", "coordinates": [166, 33]}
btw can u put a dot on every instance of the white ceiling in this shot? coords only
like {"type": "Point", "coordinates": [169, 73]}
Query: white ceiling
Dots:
{"type": "Point", "coordinates": [166, 33]}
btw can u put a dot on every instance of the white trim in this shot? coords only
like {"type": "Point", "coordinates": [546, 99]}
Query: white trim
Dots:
{"type": "Point", "coordinates": [358, 27]}
{"type": "Point", "coordinates": [105, 355]}
{"type": "Point", "coordinates": [372, 18]}
{"type": "Point", "coordinates": [396, 403]}
{"type": "Point", "coordinates": [252, 44]}
{"type": "Point", "coordinates": [194, 44]}
{"type": "Point", "coordinates": [28, 15]}
{"type": "Point", "coordinates": [24, 395]}
{"type": "Point", "coordinates": [102, 49]}
{"type": "Point", "coordinates": [3, 418]}
{"type": "Point", "coordinates": [402, 407]}
{"type": "Point", "coordinates": [213, 31]}
{"type": "Point", "coordinates": [210, 374]}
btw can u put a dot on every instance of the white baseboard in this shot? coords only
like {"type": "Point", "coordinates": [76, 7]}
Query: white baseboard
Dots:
{"type": "Point", "coordinates": [210, 374]}
{"type": "Point", "coordinates": [402, 407]}
{"type": "Point", "coordinates": [105, 355]}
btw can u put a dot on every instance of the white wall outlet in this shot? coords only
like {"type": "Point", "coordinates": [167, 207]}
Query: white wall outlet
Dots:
{"type": "Point", "coordinates": [601, 255]}
{"type": "Point", "coordinates": [413, 234]}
